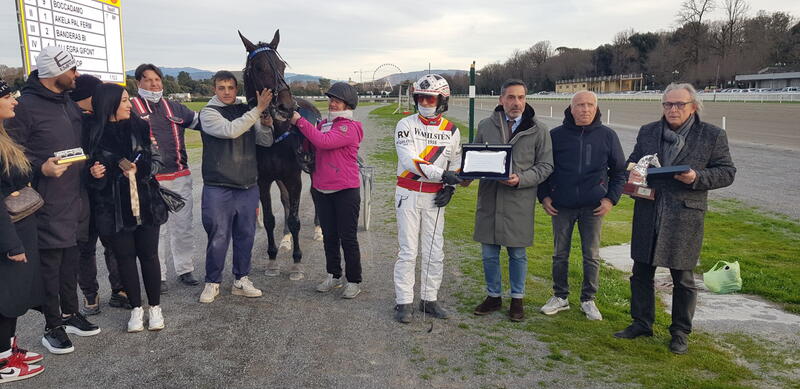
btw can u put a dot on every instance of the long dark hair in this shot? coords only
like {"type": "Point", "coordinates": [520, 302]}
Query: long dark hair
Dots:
{"type": "Point", "coordinates": [105, 102]}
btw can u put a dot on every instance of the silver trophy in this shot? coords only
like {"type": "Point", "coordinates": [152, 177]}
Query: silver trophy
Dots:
{"type": "Point", "coordinates": [641, 168]}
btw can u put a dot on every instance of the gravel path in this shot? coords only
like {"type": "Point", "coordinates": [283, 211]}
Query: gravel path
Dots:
{"type": "Point", "coordinates": [294, 336]}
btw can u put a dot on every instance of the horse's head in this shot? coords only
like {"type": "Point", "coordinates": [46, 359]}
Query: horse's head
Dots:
{"type": "Point", "coordinates": [264, 69]}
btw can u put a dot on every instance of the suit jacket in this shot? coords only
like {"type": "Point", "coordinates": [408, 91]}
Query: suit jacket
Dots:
{"type": "Point", "coordinates": [676, 240]}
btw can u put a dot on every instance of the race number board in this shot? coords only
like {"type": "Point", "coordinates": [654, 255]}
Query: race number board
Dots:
{"type": "Point", "coordinates": [91, 30]}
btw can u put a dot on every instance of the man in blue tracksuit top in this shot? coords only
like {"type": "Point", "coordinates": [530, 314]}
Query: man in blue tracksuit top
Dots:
{"type": "Point", "coordinates": [587, 181]}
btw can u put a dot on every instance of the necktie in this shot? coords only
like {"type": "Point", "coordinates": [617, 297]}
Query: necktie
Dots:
{"type": "Point", "coordinates": [510, 128]}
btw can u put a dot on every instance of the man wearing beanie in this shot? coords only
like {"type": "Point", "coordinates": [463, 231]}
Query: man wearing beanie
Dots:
{"type": "Point", "coordinates": [168, 122]}
{"type": "Point", "coordinates": [48, 121]}
{"type": "Point", "coordinates": [85, 86]}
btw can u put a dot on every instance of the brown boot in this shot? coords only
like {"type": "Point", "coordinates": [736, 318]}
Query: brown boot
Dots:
{"type": "Point", "coordinates": [489, 305]}
{"type": "Point", "coordinates": [516, 312]}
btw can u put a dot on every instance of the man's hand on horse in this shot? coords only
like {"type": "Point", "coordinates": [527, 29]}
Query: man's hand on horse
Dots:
{"type": "Point", "coordinates": [264, 98]}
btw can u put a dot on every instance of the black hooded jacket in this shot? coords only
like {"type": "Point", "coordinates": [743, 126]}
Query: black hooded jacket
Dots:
{"type": "Point", "coordinates": [589, 164]}
{"type": "Point", "coordinates": [47, 122]}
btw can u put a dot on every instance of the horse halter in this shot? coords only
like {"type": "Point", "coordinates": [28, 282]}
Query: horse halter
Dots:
{"type": "Point", "coordinates": [280, 83]}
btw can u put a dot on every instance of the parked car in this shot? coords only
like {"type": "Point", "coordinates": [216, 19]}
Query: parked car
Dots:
{"type": "Point", "coordinates": [790, 89]}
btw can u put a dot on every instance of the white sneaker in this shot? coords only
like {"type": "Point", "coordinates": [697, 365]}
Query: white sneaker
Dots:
{"type": "Point", "coordinates": [136, 322]}
{"type": "Point", "coordinates": [351, 290]}
{"type": "Point", "coordinates": [155, 319]}
{"type": "Point", "coordinates": [555, 305]}
{"type": "Point", "coordinates": [591, 311]}
{"type": "Point", "coordinates": [210, 292]}
{"type": "Point", "coordinates": [329, 283]}
{"type": "Point", "coordinates": [317, 233]}
{"type": "Point", "coordinates": [244, 287]}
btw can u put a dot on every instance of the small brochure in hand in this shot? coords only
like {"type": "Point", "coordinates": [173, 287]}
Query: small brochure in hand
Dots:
{"type": "Point", "coordinates": [69, 156]}
{"type": "Point", "coordinates": [484, 161]}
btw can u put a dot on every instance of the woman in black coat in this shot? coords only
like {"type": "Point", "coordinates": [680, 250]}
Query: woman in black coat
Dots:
{"type": "Point", "coordinates": [119, 146]}
{"type": "Point", "coordinates": [20, 281]}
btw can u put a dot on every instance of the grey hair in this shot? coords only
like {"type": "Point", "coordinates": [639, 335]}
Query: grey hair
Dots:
{"type": "Point", "coordinates": [594, 95]}
{"type": "Point", "coordinates": [512, 82]}
{"type": "Point", "coordinates": [698, 103]}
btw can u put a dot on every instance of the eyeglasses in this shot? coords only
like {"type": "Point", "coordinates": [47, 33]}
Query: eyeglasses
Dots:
{"type": "Point", "coordinates": [426, 98]}
{"type": "Point", "coordinates": [680, 105]}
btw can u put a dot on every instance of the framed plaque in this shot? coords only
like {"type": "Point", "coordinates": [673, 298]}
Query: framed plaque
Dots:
{"type": "Point", "coordinates": [483, 161]}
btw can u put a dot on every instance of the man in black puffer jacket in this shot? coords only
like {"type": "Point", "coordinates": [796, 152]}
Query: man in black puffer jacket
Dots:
{"type": "Point", "coordinates": [48, 121]}
{"type": "Point", "coordinates": [587, 181]}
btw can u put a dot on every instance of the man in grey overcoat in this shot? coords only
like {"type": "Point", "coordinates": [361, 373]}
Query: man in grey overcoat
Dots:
{"type": "Point", "coordinates": [668, 231]}
{"type": "Point", "coordinates": [504, 215]}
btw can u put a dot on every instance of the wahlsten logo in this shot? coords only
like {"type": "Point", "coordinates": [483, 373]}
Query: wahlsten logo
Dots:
{"type": "Point", "coordinates": [425, 134]}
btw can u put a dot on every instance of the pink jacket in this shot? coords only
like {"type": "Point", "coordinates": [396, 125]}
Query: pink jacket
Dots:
{"type": "Point", "coordinates": [336, 153]}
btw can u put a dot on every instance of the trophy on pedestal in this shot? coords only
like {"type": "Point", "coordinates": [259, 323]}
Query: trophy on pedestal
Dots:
{"type": "Point", "coordinates": [637, 187]}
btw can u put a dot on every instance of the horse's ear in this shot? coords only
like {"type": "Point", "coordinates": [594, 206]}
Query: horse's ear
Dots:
{"type": "Point", "coordinates": [247, 44]}
{"type": "Point", "coordinates": [275, 40]}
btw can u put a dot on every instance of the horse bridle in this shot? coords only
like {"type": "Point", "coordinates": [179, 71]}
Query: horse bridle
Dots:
{"type": "Point", "coordinates": [279, 82]}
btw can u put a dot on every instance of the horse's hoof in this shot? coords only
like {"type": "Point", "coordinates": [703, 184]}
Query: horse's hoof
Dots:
{"type": "Point", "coordinates": [286, 242]}
{"type": "Point", "coordinates": [317, 233]}
{"type": "Point", "coordinates": [296, 273]}
{"type": "Point", "coordinates": [273, 269]}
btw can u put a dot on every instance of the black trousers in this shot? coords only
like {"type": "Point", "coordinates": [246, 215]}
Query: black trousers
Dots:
{"type": "Point", "coordinates": [338, 217]}
{"type": "Point", "coordinates": [59, 268]}
{"type": "Point", "coordinates": [141, 243]}
{"type": "Point", "coordinates": [643, 298]}
{"type": "Point", "coordinates": [8, 326]}
{"type": "Point", "coordinates": [87, 266]}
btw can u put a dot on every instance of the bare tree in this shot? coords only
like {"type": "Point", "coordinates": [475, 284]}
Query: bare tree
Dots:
{"type": "Point", "coordinates": [729, 32]}
{"type": "Point", "coordinates": [691, 15]}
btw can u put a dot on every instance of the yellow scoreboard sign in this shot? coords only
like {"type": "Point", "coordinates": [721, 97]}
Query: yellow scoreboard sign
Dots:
{"type": "Point", "coordinates": [91, 30]}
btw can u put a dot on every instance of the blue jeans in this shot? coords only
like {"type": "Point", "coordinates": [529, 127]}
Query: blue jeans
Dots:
{"type": "Point", "coordinates": [517, 270]}
{"type": "Point", "coordinates": [229, 215]}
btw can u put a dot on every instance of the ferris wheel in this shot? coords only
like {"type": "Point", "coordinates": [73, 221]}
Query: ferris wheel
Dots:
{"type": "Point", "coordinates": [380, 78]}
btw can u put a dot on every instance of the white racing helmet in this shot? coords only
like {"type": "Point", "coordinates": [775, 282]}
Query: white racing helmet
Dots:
{"type": "Point", "coordinates": [433, 85]}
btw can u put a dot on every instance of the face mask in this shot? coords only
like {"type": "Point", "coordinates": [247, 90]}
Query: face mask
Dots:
{"type": "Point", "coordinates": [347, 114]}
{"type": "Point", "coordinates": [427, 112]}
{"type": "Point", "coordinates": [150, 96]}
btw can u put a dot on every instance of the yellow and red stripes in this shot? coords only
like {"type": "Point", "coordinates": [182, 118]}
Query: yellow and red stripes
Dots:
{"type": "Point", "coordinates": [430, 154]}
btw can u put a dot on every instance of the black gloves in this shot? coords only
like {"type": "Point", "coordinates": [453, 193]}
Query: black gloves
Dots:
{"type": "Point", "coordinates": [443, 196]}
{"type": "Point", "coordinates": [451, 178]}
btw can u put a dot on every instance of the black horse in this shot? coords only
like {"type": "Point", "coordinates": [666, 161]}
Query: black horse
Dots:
{"type": "Point", "coordinates": [286, 158]}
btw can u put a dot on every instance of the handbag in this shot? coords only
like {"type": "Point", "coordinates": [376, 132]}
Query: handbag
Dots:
{"type": "Point", "coordinates": [723, 278]}
{"type": "Point", "coordinates": [173, 200]}
{"type": "Point", "coordinates": [23, 203]}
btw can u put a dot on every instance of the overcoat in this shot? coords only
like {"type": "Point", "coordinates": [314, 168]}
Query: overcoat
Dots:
{"type": "Point", "coordinates": [675, 242]}
{"type": "Point", "coordinates": [504, 214]}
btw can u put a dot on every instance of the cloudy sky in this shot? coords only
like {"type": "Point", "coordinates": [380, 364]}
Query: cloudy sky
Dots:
{"type": "Point", "coordinates": [339, 39]}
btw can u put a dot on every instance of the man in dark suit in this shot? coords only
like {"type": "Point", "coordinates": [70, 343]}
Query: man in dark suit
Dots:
{"type": "Point", "coordinates": [668, 231]}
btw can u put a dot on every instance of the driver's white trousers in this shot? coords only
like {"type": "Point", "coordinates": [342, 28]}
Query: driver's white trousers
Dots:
{"type": "Point", "coordinates": [419, 225]}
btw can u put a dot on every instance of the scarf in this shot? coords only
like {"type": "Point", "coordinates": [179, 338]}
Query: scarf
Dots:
{"type": "Point", "coordinates": [672, 142]}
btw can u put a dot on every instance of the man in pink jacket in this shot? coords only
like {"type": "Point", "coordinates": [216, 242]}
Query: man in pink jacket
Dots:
{"type": "Point", "coordinates": [336, 186]}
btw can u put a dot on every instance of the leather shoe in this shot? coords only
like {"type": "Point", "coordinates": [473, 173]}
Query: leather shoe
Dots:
{"type": "Point", "coordinates": [188, 279]}
{"type": "Point", "coordinates": [489, 305]}
{"type": "Point", "coordinates": [633, 331]}
{"type": "Point", "coordinates": [679, 344]}
{"type": "Point", "coordinates": [516, 312]}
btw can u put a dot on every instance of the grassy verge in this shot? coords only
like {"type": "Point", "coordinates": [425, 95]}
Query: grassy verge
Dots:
{"type": "Point", "coordinates": [765, 245]}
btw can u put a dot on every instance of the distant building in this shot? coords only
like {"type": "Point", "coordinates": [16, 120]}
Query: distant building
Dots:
{"type": "Point", "coordinates": [602, 84]}
{"type": "Point", "coordinates": [771, 77]}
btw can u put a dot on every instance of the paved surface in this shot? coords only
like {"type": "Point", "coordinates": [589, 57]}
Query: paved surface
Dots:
{"type": "Point", "coordinates": [720, 313]}
{"type": "Point", "coordinates": [763, 123]}
{"type": "Point", "coordinates": [292, 336]}
{"type": "Point", "coordinates": [767, 176]}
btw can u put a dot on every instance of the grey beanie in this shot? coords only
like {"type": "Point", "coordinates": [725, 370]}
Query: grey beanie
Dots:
{"type": "Point", "coordinates": [54, 61]}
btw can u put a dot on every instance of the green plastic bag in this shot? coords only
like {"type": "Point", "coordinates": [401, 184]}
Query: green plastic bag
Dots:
{"type": "Point", "coordinates": [723, 278]}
